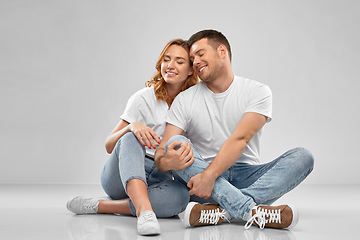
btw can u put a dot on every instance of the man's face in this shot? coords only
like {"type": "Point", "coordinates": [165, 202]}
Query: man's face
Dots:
{"type": "Point", "coordinates": [206, 60]}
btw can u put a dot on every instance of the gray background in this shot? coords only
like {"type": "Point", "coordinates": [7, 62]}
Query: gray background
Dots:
{"type": "Point", "coordinates": [67, 69]}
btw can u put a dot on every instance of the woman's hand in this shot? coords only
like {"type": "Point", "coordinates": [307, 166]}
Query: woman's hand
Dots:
{"type": "Point", "coordinates": [144, 134]}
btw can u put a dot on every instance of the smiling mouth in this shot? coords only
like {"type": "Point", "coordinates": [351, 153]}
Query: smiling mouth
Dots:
{"type": "Point", "coordinates": [201, 69]}
{"type": "Point", "coordinates": [171, 73]}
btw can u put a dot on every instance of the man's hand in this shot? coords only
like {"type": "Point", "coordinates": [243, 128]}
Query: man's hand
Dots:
{"type": "Point", "coordinates": [201, 185]}
{"type": "Point", "coordinates": [177, 159]}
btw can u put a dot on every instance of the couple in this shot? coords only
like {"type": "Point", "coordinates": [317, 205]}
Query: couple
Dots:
{"type": "Point", "coordinates": [171, 155]}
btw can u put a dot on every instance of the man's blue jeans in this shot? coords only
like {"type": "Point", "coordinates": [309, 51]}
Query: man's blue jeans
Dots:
{"type": "Point", "coordinates": [128, 161]}
{"type": "Point", "coordinates": [243, 185]}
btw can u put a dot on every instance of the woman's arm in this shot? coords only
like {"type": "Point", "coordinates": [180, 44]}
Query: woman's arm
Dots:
{"type": "Point", "coordinates": [121, 128]}
{"type": "Point", "coordinates": [144, 134]}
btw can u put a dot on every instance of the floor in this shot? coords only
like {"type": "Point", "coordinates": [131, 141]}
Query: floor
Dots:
{"type": "Point", "coordinates": [39, 212]}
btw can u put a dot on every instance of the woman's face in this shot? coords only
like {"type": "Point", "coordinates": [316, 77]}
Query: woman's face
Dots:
{"type": "Point", "coordinates": [175, 65]}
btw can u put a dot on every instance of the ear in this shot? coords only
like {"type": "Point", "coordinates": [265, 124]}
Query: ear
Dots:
{"type": "Point", "coordinates": [191, 71]}
{"type": "Point", "coordinates": [222, 51]}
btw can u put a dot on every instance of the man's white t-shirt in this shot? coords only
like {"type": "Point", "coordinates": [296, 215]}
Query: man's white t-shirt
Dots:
{"type": "Point", "coordinates": [209, 119]}
{"type": "Point", "coordinates": [143, 107]}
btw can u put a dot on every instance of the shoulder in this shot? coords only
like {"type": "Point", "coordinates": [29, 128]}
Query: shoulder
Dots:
{"type": "Point", "coordinates": [241, 81]}
{"type": "Point", "coordinates": [250, 85]}
{"type": "Point", "coordinates": [145, 93]}
{"type": "Point", "coordinates": [190, 92]}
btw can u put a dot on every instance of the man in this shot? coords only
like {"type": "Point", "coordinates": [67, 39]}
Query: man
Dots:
{"type": "Point", "coordinates": [222, 118]}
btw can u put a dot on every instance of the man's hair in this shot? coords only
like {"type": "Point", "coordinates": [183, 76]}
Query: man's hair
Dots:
{"type": "Point", "coordinates": [215, 39]}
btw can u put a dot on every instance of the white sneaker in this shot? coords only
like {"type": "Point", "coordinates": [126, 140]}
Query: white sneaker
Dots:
{"type": "Point", "coordinates": [148, 224]}
{"type": "Point", "coordinates": [84, 205]}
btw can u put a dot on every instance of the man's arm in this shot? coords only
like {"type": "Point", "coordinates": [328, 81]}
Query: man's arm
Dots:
{"type": "Point", "coordinates": [173, 159]}
{"type": "Point", "coordinates": [250, 123]}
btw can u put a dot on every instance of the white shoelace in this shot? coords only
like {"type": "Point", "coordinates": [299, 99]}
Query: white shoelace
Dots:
{"type": "Point", "coordinates": [261, 215]}
{"type": "Point", "coordinates": [90, 207]}
{"type": "Point", "coordinates": [212, 216]}
{"type": "Point", "coordinates": [148, 216]}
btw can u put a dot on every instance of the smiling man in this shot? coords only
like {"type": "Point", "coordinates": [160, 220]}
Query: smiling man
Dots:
{"type": "Point", "coordinates": [212, 142]}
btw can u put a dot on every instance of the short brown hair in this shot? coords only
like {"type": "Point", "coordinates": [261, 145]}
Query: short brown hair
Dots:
{"type": "Point", "coordinates": [214, 38]}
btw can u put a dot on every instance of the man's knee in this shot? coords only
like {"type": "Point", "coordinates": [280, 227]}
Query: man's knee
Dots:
{"type": "Point", "coordinates": [177, 138]}
{"type": "Point", "coordinates": [306, 157]}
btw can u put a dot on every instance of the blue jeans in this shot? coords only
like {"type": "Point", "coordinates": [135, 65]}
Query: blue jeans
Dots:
{"type": "Point", "coordinates": [243, 186]}
{"type": "Point", "coordinates": [128, 161]}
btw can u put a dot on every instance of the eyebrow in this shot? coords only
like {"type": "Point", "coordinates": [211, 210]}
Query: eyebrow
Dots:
{"type": "Point", "coordinates": [175, 58]}
{"type": "Point", "coordinates": [197, 52]}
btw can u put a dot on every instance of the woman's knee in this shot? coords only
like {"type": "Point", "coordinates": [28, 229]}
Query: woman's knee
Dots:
{"type": "Point", "coordinates": [171, 198]}
{"type": "Point", "coordinates": [129, 137]}
{"type": "Point", "coordinates": [113, 190]}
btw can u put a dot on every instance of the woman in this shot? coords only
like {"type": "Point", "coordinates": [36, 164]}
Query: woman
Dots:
{"type": "Point", "coordinates": [130, 178]}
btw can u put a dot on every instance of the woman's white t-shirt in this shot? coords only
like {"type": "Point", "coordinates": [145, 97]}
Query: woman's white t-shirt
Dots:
{"type": "Point", "coordinates": [143, 107]}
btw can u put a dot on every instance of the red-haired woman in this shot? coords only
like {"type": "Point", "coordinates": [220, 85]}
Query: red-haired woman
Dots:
{"type": "Point", "coordinates": [134, 184]}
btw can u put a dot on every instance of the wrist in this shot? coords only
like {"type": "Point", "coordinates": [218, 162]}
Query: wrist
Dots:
{"type": "Point", "coordinates": [209, 174]}
{"type": "Point", "coordinates": [129, 128]}
{"type": "Point", "coordinates": [159, 159]}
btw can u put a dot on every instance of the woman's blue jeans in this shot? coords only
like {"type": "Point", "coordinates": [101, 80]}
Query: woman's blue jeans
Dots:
{"type": "Point", "coordinates": [128, 161]}
{"type": "Point", "coordinates": [243, 186]}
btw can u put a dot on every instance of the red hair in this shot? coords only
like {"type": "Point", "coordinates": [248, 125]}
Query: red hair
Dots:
{"type": "Point", "coordinates": [158, 81]}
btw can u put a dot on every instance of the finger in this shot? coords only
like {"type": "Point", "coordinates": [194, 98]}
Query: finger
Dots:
{"type": "Point", "coordinates": [150, 140]}
{"type": "Point", "coordinates": [155, 136]}
{"type": "Point", "coordinates": [146, 140]}
{"type": "Point", "coordinates": [190, 184]}
{"type": "Point", "coordinates": [152, 136]}
{"type": "Point", "coordinates": [187, 155]}
{"type": "Point", "coordinates": [190, 155]}
{"type": "Point", "coordinates": [186, 149]}
{"type": "Point", "coordinates": [174, 144]}
{"type": "Point", "coordinates": [188, 163]}
{"type": "Point", "coordinates": [138, 136]}
{"type": "Point", "coordinates": [191, 192]}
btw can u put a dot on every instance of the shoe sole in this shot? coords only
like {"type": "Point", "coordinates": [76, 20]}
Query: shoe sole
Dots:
{"type": "Point", "coordinates": [149, 232]}
{"type": "Point", "coordinates": [295, 217]}
{"type": "Point", "coordinates": [150, 228]}
{"type": "Point", "coordinates": [188, 209]}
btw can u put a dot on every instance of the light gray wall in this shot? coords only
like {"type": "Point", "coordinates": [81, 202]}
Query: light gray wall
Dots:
{"type": "Point", "coordinates": [67, 69]}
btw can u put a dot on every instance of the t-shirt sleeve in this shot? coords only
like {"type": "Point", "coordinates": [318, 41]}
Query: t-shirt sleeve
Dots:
{"type": "Point", "coordinates": [260, 101]}
{"type": "Point", "coordinates": [131, 109]}
{"type": "Point", "coordinates": [176, 114]}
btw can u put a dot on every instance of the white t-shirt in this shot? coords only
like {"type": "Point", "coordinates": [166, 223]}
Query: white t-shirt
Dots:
{"type": "Point", "coordinates": [143, 107]}
{"type": "Point", "coordinates": [209, 119]}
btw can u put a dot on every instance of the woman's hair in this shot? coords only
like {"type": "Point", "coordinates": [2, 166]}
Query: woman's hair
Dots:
{"type": "Point", "coordinates": [158, 81]}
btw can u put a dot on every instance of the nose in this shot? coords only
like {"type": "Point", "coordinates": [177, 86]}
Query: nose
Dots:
{"type": "Point", "coordinates": [170, 65]}
{"type": "Point", "coordinates": [196, 61]}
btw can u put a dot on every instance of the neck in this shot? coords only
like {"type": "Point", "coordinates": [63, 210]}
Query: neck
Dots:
{"type": "Point", "coordinates": [172, 91]}
{"type": "Point", "coordinates": [221, 83]}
